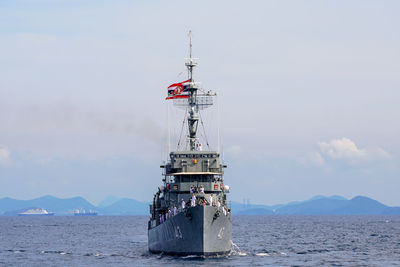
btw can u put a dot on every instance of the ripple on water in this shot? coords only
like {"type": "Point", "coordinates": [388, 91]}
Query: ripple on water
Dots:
{"type": "Point", "coordinates": [260, 241]}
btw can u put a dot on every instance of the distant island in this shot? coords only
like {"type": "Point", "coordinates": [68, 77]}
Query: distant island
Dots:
{"type": "Point", "coordinates": [318, 205]}
{"type": "Point", "coordinates": [68, 206]}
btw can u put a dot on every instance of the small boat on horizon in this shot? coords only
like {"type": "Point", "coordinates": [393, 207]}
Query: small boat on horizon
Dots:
{"type": "Point", "coordinates": [36, 212]}
{"type": "Point", "coordinates": [82, 212]}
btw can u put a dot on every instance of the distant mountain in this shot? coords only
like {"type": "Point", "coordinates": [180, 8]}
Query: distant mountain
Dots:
{"type": "Point", "coordinates": [318, 205]}
{"type": "Point", "coordinates": [108, 201]}
{"type": "Point", "coordinates": [50, 203]}
{"type": "Point", "coordinates": [126, 206]}
{"type": "Point", "coordinates": [321, 205]}
{"type": "Point", "coordinates": [324, 197]}
{"type": "Point", "coordinates": [248, 209]}
{"type": "Point", "coordinates": [254, 211]}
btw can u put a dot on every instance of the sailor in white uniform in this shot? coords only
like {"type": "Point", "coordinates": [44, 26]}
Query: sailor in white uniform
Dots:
{"type": "Point", "coordinates": [193, 201]}
{"type": "Point", "coordinates": [183, 204]}
{"type": "Point", "coordinates": [169, 213]}
{"type": "Point", "coordinates": [201, 189]}
{"type": "Point", "coordinates": [210, 200]}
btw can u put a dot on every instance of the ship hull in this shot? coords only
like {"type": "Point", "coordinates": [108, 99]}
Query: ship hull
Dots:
{"type": "Point", "coordinates": [200, 230]}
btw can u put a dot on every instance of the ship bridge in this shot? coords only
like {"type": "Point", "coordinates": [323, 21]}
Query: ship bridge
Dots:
{"type": "Point", "coordinates": [194, 168]}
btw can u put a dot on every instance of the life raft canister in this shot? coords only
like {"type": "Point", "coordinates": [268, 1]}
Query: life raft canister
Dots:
{"type": "Point", "coordinates": [221, 186]}
{"type": "Point", "coordinates": [216, 187]}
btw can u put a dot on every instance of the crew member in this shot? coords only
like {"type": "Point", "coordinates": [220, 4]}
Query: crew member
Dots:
{"type": "Point", "coordinates": [201, 189]}
{"type": "Point", "coordinates": [193, 201]}
{"type": "Point", "coordinates": [169, 213]}
{"type": "Point", "coordinates": [183, 204]}
{"type": "Point", "coordinates": [210, 200]}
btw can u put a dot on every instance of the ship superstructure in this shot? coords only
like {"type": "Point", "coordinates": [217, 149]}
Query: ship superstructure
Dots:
{"type": "Point", "coordinates": [190, 214]}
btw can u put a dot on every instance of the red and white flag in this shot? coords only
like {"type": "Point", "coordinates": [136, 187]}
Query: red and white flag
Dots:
{"type": "Point", "coordinates": [175, 90]}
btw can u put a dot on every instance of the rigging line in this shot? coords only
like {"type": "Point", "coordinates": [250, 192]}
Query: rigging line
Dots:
{"type": "Point", "coordinates": [169, 131]}
{"type": "Point", "coordinates": [183, 125]}
{"type": "Point", "coordinates": [204, 130]}
{"type": "Point", "coordinates": [218, 125]}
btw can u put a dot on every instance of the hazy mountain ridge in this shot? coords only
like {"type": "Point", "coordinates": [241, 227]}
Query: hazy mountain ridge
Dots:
{"type": "Point", "coordinates": [66, 206]}
{"type": "Point", "coordinates": [126, 206]}
{"type": "Point", "coordinates": [50, 203]}
{"type": "Point", "coordinates": [318, 205]}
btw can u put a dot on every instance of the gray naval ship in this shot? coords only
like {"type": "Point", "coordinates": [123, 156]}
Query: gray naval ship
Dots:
{"type": "Point", "coordinates": [190, 214]}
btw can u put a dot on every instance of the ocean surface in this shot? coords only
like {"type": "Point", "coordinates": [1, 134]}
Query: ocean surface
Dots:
{"type": "Point", "coordinates": [259, 240]}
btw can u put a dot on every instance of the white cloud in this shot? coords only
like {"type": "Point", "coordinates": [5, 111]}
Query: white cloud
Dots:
{"type": "Point", "coordinates": [311, 158]}
{"type": "Point", "coordinates": [316, 158]}
{"type": "Point", "coordinates": [345, 149]}
{"type": "Point", "coordinates": [4, 155]}
{"type": "Point", "coordinates": [341, 149]}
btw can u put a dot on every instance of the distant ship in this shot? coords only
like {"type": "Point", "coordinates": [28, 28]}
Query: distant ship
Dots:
{"type": "Point", "coordinates": [36, 212]}
{"type": "Point", "coordinates": [190, 213]}
{"type": "Point", "coordinates": [82, 212]}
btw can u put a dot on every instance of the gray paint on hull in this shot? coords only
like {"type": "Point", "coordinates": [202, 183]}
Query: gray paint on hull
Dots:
{"type": "Point", "coordinates": [198, 231]}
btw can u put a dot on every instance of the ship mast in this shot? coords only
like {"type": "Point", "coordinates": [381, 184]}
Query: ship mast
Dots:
{"type": "Point", "coordinates": [193, 117]}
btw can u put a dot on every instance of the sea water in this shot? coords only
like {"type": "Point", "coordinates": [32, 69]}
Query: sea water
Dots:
{"type": "Point", "coordinates": [258, 241]}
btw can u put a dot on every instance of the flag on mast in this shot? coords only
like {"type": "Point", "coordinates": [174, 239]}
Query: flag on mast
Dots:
{"type": "Point", "coordinates": [175, 90]}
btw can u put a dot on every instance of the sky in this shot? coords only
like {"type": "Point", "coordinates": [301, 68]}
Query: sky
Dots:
{"type": "Point", "coordinates": [308, 96]}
